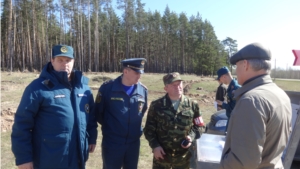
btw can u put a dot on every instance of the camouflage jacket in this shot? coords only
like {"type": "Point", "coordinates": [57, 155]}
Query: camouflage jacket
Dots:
{"type": "Point", "coordinates": [167, 127]}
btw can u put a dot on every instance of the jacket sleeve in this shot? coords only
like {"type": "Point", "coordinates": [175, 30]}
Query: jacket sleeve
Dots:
{"type": "Point", "coordinates": [247, 135]}
{"type": "Point", "coordinates": [21, 137]}
{"type": "Point", "coordinates": [224, 91]}
{"type": "Point", "coordinates": [146, 102]}
{"type": "Point", "coordinates": [195, 131]}
{"type": "Point", "coordinates": [150, 128]}
{"type": "Point", "coordinates": [92, 123]}
{"type": "Point", "coordinates": [221, 92]}
{"type": "Point", "coordinates": [98, 109]}
{"type": "Point", "coordinates": [225, 105]}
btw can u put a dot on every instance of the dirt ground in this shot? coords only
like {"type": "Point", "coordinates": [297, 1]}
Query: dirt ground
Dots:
{"type": "Point", "coordinates": [7, 119]}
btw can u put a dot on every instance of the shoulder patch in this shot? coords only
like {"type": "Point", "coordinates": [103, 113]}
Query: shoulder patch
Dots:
{"type": "Point", "coordinates": [108, 81]}
{"type": "Point", "coordinates": [143, 86]}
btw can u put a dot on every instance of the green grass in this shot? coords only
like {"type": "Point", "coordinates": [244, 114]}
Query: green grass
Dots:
{"type": "Point", "coordinates": [289, 85]}
{"type": "Point", "coordinates": [12, 87]}
{"type": "Point", "coordinates": [7, 158]}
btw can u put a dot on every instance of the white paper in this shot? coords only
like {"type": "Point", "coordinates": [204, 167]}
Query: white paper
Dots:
{"type": "Point", "coordinates": [216, 105]}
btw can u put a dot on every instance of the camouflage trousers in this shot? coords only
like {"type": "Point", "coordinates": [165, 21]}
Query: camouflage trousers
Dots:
{"type": "Point", "coordinates": [170, 162]}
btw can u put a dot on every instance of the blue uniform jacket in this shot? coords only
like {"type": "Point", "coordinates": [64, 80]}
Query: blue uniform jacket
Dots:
{"type": "Point", "coordinates": [230, 97]}
{"type": "Point", "coordinates": [53, 123]}
{"type": "Point", "coordinates": [120, 115]}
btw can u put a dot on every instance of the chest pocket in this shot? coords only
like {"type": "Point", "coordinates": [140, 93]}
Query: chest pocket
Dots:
{"type": "Point", "coordinates": [163, 121]}
{"type": "Point", "coordinates": [185, 118]}
{"type": "Point", "coordinates": [61, 99]}
{"type": "Point", "coordinates": [83, 102]}
{"type": "Point", "coordinates": [117, 104]}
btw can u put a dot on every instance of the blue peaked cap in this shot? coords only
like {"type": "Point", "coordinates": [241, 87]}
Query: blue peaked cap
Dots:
{"type": "Point", "coordinates": [136, 64]}
{"type": "Point", "coordinates": [222, 71]}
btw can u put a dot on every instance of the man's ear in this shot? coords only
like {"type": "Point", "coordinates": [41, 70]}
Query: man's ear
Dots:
{"type": "Point", "coordinates": [165, 87]}
{"type": "Point", "coordinates": [246, 65]}
{"type": "Point", "coordinates": [124, 71]}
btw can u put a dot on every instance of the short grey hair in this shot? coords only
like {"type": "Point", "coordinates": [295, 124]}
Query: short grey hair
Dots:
{"type": "Point", "coordinates": [260, 64]}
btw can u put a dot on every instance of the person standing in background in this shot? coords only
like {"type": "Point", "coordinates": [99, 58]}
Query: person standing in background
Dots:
{"type": "Point", "coordinates": [54, 127]}
{"type": "Point", "coordinates": [119, 107]}
{"type": "Point", "coordinates": [225, 77]}
{"type": "Point", "coordinates": [221, 93]}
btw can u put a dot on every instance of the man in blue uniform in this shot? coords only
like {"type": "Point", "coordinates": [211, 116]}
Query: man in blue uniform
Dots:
{"type": "Point", "coordinates": [224, 76]}
{"type": "Point", "coordinates": [221, 93]}
{"type": "Point", "coordinates": [120, 106]}
{"type": "Point", "coordinates": [54, 127]}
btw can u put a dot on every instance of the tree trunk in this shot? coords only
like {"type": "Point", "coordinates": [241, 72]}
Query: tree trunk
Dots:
{"type": "Point", "coordinates": [30, 67]}
{"type": "Point", "coordinates": [34, 36]}
{"type": "Point", "coordinates": [89, 32]}
{"type": "Point", "coordinates": [9, 37]}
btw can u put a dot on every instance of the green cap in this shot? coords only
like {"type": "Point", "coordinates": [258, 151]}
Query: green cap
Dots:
{"type": "Point", "coordinates": [171, 77]}
{"type": "Point", "coordinates": [62, 50]}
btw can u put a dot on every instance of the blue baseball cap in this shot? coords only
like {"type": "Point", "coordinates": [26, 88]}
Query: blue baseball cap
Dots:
{"type": "Point", "coordinates": [136, 64]}
{"type": "Point", "coordinates": [62, 50]}
{"type": "Point", "coordinates": [222, 71]}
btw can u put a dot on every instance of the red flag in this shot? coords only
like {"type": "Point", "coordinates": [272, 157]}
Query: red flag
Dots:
{"type": "Point", "coordinates": [297, 57]}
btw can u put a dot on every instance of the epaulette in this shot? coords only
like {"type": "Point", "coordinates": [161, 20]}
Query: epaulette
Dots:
{"type": "Point", "coordinates": [161, 100]}
{"type": "Point", "coordinates": [108, 81]}
{"type": "Point", "coordinates": [143, 85]}
{"type": "Point", "coordinates": [48, 83]}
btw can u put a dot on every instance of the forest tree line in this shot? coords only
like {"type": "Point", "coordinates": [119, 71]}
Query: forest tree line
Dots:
{"type": "Point", "coordinates": [101, 38]}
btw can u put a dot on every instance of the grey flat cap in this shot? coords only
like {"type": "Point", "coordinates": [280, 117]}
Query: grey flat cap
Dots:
{"type": "Point", "coordinates": [251, 51]}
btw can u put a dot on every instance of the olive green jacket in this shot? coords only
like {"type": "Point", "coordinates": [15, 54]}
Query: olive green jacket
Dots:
{"type": "Point", "coordinates": [167, 127]}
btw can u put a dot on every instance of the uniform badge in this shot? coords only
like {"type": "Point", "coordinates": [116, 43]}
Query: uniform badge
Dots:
{"type": "Point", "coordinates": [82, 95]}
{"type": "Point", "coordinates": [117, 98]}
{"type": "Point", "coordinates": [141, 104]}
{"type": "Point", "coordinates": [60, 96]}
{"type": "Point", "coordinates": [87, 108]}
{"type": "Point", "coordinates": [142, 62]}
{"type": "Point", "coordinates": [98, 97]}
{"type": "Point", "coordinates": [63, 49]}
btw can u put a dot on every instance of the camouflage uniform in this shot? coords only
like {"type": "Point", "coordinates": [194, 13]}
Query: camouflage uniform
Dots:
{"type": "Point", "coordinates": [167, 128]}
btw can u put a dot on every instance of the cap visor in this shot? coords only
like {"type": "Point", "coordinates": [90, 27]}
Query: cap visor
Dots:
{"type": "Point", "coordinates": [68, 56]}
{"type": "Point", "coordinates": [139, 71]}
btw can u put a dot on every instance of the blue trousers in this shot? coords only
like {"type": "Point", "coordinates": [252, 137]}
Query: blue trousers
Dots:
{"type": "Point", "coordinates": [116, 156]}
